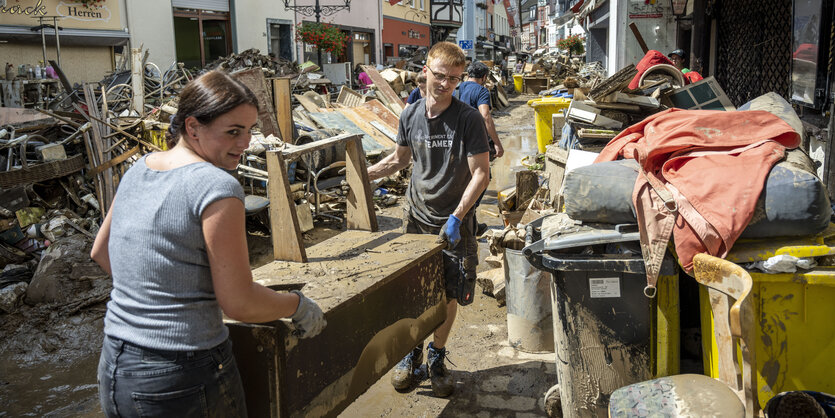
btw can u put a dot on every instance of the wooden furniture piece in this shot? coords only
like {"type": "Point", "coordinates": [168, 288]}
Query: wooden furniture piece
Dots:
{"type": "Point", "coordinates": [731, 394]}
{"type": "Point", "coordinates": [382, 293]}
{"type": "Point", "coordinates": [286, 236]}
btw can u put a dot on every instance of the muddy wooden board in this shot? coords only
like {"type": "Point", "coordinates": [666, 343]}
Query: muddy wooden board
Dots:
{"type": "Point", "coordinates": [382, 293]}
{"type": "Point", "coordinates": [386, 93]}
{"type": "Point", "coordinates": [337, 120]}
{"type": "Point", "coordinates": [382, 112]}
{"type": "Point", "coordinates": [364, 119]}
{"type": "Point", "coordinates": [254, 79]}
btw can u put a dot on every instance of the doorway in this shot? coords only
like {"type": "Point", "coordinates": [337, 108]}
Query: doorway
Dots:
{"type": "Point", "coordinates": [201, 36]}
{"type": "Point", "coordinates": [281, 38]}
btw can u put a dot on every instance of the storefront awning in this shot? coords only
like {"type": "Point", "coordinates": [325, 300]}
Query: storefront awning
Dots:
{"type": "Point", "coordinates": [67, 36]}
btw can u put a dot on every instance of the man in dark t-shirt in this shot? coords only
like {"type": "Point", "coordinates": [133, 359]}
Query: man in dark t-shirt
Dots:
{"type": "Point", "coordinates": [448, 142]}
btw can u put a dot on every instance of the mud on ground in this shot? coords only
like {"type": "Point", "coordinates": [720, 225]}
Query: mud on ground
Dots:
{"type": "Point", "coordinates": [49, 353]}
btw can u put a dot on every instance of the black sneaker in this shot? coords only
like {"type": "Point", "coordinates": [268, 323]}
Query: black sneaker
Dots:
{"type": "Point", "coordinates": [439, 375]}
{"type": "Point", "coordinates": [402, 378]}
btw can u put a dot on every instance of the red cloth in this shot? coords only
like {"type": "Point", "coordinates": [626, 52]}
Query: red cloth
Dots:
{"type": "Point", "coordinates": [718, 161]}
{"type": "Point", "coordinates": [652, 57]}
{"type": "Point", "coordinates": [692, 77]}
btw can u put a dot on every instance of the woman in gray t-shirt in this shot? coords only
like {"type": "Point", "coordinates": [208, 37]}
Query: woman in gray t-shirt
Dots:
{"type": "Point", "coordinates": [174, 242]}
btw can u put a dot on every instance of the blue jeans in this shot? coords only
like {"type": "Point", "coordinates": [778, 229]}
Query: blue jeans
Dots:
{"type": "Point", "coordinates": [140, 382]}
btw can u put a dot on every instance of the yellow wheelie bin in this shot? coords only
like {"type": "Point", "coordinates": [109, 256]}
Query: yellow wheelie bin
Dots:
{"type": "Point", "coordinates": [545, 109]}
{"type": "Point", "coordinates": [795, 333]}
{"type": "Point", "coordinates": [517, 82]}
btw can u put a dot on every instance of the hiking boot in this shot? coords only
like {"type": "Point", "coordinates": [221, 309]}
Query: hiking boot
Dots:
{"type": "Point", "coordinates": [404, 371]}
{"type": "Point", "coordinates": [439, 375]}
{"type": "Point", "coordinates": [481, 229]}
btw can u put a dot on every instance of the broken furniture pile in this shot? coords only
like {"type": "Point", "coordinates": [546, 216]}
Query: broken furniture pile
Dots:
{"type": "Point", "coordinates": [597, 116]}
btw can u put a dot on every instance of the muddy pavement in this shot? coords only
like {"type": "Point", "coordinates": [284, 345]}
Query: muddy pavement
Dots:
{"type": "Point", "coordinates": [48, 357]}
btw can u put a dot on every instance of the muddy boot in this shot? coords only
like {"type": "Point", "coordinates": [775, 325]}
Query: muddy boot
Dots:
{"type": "Point", "coordinates": [401, 379]}
{"type": "Point", "coordinates": [440, 376]}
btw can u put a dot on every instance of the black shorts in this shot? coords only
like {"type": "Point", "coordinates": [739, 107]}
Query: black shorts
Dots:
{"type": "Point", "coordinates": [459, 263]}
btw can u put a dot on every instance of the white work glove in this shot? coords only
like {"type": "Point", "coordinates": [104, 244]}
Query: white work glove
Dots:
{"type": "Point", "coordinates": [308, 320]}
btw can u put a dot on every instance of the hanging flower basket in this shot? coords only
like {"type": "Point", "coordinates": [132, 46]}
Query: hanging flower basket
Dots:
{"type": "Point", "coordinates": [324, 36]}
{"type": "Point", "coordinates": [574, 44]}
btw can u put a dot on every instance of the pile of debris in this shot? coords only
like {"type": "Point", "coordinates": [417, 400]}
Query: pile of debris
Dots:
{"type": "Point", "coordinates": [252, 58]}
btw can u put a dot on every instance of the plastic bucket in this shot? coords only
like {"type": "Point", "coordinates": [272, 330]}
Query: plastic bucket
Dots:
{"type": "Point", "coordinates": [529, 319]}
{"type": "Point", "coordinates": [544, 111]}
{"type": "Point", "coordinates": [517, 82]}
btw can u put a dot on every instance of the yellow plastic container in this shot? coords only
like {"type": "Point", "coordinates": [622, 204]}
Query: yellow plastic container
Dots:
{"type": "Point", "coordinates": [795, 333]}
{"type": "Point", "coordinates": [517, 82]}
{"type": "Point", "coordinates": [545, 109]}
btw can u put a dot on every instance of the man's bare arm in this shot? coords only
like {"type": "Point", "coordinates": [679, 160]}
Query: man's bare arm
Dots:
{"type": "Point", "coordinates": [480, 171]}
{"type": "Point", "coordinates": [491, 128]}
{"type": "Point", "coordinates": [394, 162]}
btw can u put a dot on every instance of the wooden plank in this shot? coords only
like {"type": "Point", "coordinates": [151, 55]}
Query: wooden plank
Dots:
{"type": "Point", "coordinates": [254, 79]}
{"type": "Point", "coordinates": [284, 222]}
{"type": "Point", "coordinates": [307, 104]}
{"type": "Point", "coordinates": [391, 99]}
{"type": "Point", "coordinates": [365, 120]}
{"type": "Point", "coordinates": [283, 109]}
{"type": "Point", "coordinates": [113, 162]}
{"type": "Point", "coordinates": [638, 36]}
{"type": "Point", "coordinates": [293, 152]}
{"type": "Point", "coordinates": [616, 82]}
{"type": "Point", "coordinates": [337, 120]}
{"type": "Point", "coordinates": [385, 114]}
{"type": "Point", "coordinates": [360, 213]}
{"type": "Point", "coordinates": [99, 145]}
{"type": "Point", "coordinates": [385, 130]}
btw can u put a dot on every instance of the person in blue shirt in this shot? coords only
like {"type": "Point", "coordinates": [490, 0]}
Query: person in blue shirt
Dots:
{"type": "Point", "coordinates": [473, 93]}
{"type": "Point", "coordinates": [419, 91]}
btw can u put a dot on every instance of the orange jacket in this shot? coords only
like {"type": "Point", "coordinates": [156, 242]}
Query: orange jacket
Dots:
{"type": "Point", "coordinates": [713, 164]}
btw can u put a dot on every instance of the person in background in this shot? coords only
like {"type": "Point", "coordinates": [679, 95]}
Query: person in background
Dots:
{"type": "Point", "coordinates": [448, 142]}
{"type": "Point", "coordinates": [363, 78]}
{"type": "Point", "coordinates": [419, 91]}
{"type": "Point", "coordinates": [174, 242]}
{"type": "Point", "coordinates": [678, 57]}
{"type": "Point", "coordinates": [473, 93]}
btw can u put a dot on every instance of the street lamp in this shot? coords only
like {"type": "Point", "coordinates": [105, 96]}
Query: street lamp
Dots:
{"type": "Point", "coordinates": [318, 11]}
{"type": "Point", "coordinates": [679, 7]}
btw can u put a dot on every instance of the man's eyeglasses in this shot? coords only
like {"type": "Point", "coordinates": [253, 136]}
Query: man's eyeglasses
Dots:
{"type": "Point", "coordinates": [441, 77]}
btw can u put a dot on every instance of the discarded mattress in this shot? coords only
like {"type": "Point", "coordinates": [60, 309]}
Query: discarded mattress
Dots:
{"type": "Point", "coordinates": [794, 202]}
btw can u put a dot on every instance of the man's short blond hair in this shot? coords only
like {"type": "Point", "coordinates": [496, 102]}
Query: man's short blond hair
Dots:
{"type": "Point", "coordinates": [446, 53]}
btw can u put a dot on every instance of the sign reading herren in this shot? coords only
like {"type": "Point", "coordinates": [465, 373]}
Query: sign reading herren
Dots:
{"type": "Point", "coordinates": [76, 15]}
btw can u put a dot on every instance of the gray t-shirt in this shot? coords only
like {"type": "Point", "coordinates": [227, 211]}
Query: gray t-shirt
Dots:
{"type": "Point", "coordinates": [163, 297]}
{"type": "Point", "coordinates": [440, 147]}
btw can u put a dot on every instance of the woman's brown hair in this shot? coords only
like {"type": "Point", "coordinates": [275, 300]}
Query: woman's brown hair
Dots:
{"type": "Point", "coordinates": [206, 98]}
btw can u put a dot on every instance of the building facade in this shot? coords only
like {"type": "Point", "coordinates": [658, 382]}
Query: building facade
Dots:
{"type": "Point", "coordinates": [363, 25]}
{"type": "Point", "coordinates": [406, 27]}
{"type": "Point", "coordinates": [89, 36]}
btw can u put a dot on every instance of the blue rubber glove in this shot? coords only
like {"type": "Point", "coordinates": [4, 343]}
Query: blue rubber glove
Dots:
{"type": "Point", "coordinates": [451, 232]}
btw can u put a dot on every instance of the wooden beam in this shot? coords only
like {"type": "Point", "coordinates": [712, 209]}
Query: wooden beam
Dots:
{"type": "Point", "coordinates": [254, 79]}
{"type": "Point", "coordinates": [638, 36]}
{"type": "Point", "coordinates": [294, 152]}
{"type": "Point", "coordinates": [283, 108]}
{"type": "Point", "coordinates": [284, 222]}
{"type": "Point", "coordinates": [360, 213]}
{"type": "Point", "coordinates": [113, 162]}
{"type": "Point", "coordinates": [391, 99]}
